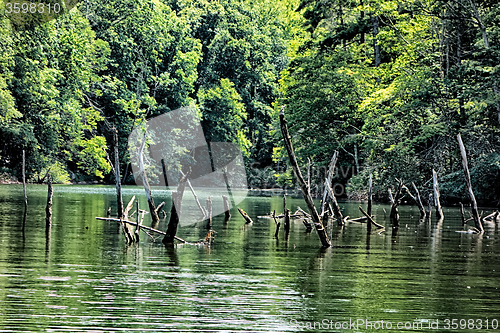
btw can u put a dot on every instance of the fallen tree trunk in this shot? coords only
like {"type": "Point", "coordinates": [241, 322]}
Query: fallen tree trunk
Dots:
{"type": "Point", "coordinates": [141, 227]}
{"type": "Point", "coordinates": [370, 220]}
{"type": "Point", "coordinates": [245, 216]}
{"type": "Point", "coordinates": [472, 198]}
{"type": "Point", "coordinates": [325, 241]}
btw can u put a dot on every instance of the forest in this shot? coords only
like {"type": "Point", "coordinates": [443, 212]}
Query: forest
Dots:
{"type": "Point", "coordinates": [388, 84]}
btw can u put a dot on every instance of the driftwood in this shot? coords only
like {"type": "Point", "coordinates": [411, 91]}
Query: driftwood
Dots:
{"type": "Point", "coordinates": [142, 227]}
{"type": "Point", "coordinates": [437, 202]}
{"type": "Point", "coordinates": [472, 198]}
{"type": "Point", "coordinates": [325, 241]}
{"type": "Point", "coordinates": [245, 216]}
{"type": "Point", "coordinates": [370, 220]}
{"type": "Point", "coordinates": [48, 207]}
{"type": "Point", "coordinates": [175, 212]}
{"type": "Point", "coordinates": [160, 206]}
{"type": "Point", "coordinates": [329, 177]}
{"type": "Point", "coordinates": [149, 197]}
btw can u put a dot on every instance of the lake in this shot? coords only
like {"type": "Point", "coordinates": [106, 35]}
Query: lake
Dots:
{"type": "Point", "coordinates": [80, 276]}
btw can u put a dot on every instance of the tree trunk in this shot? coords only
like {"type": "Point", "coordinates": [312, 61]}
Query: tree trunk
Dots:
{"type": "Point", "coordinates": [119, 199]}
{"type": "Point", "coordinates": [305, 190]}
{"type": "Point", "coordinates": [336, 208]}
{"type": "Point", "coordinates": [370, 189]}
{"type": "Point", "coordinates": [419, 201]}
{"type": "Point", "coordinates": [175, 212]}
{"type": "Point", "coordinates": [437, 202]}
{"type": "Point", "coordinates": [475, 214]}
{"type": "Point", "coordinates": [200, 207]}
{"type": "Point", "coordinates": [24, 181]}
{"type": "Point", "coordinates": [376, 46]}
{"type": "Point", "coordinates": [48, 207]}
{"type": "Point", "coordinates": [209, 213]}
{"type": "Point", "coordinates": [286, 223]}
{"type": "Point", "coordinates": [329, 177]}
{"type": "Point", "coordinates": [370, 220]}
{"type": "Point", "coordinates": [394, 214]}
{"type": "Point", "coordinates": [247, 218]}
{"type": "Point", "coordinates": [226, 207]}
{"type": "Point", "coordinates": [151, 203]}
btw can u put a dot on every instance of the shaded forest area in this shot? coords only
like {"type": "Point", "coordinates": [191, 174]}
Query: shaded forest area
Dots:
{"type": "Point", "coordinates": [388, 84]}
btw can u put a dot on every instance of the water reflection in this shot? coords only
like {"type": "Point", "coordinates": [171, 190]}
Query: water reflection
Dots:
{"type": "Point", "coordinates": [85, 278]}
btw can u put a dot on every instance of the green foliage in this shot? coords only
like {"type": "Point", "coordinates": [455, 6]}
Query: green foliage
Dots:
{"type": "Point", "coordinates": [223, 114]}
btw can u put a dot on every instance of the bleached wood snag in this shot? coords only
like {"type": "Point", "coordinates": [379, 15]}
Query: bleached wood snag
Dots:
{"type": "Point", "coordinates": [475, 213]}
{"type": "Point", "coordinates": [325, 241]}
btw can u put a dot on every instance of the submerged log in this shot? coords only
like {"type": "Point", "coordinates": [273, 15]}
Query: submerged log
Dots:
{"type": "Point", "coordinates": [370, 220]}
{"type": "Point", "coordinates": [175, 212]}
{"type": "Point", "coordinates": [437, 201]}
{"type": "Point", "coordinates": [472, 198]}
{"type": "Point", "coordinates": [245, 216]}
{"type": "Point", "coordinates": [325, 241]}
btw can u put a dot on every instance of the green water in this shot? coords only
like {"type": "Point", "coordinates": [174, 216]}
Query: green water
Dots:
{"type": "Point", "coordinates": [80, 276]}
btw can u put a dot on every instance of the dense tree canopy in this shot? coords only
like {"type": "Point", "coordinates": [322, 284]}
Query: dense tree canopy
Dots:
{"type": "Point", "coordinates": [387, 83]}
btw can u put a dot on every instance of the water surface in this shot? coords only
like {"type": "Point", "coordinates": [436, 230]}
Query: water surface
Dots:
{"type": "Point", "coordinates": [80, 276]}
